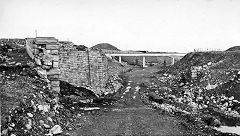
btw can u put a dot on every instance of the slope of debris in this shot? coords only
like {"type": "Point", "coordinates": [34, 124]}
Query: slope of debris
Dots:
{"type": "Point", "coordinates": [204, 85]}
{"type": "Point", "coordinates": [221, 60]}
{"type": "Point", "coordinates": [29, 108]}
{"type": "Point", "coordinates": [13, 53]}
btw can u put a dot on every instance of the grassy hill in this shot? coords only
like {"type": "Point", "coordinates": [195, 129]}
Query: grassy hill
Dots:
{"type": "Point", "coordinates": [105, 46]}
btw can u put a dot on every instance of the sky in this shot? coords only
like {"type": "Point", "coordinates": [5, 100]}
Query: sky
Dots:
{"type": "Point", "coordinates": [152, 25]}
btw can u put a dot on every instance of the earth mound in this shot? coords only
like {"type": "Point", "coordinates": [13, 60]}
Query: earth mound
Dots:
{"type": "Point", "coordinates": [234, 48]}
{"type": "Point", "coordinates": [105, 46]}
{"type": "Point", "coordinates": [204, 82]}
{"type": "Point", "coordinates": [222, 60]}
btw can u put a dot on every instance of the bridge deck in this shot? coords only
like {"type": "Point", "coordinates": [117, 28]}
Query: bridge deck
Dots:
{"type": "Point", "coordinates": [145, 54]}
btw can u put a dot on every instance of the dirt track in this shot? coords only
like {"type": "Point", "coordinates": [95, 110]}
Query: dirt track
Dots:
{"type": "Point", "coordinates": [129, 116]}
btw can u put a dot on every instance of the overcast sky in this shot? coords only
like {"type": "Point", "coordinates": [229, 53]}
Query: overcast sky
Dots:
{"type": "Point", "coordinates": [153, 25]}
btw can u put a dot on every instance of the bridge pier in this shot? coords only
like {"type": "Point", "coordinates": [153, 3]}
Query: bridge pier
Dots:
{"type": "Point", "coordinates": [144, 61]}
{"type": "Point", "coordinates": [144, 55]}
{"type": "Point", "coordinates": [173, 60]}
{"type": "Point", "coordinates": [120, 59]}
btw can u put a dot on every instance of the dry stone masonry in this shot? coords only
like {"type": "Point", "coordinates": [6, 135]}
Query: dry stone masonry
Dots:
{"type": "Point", "coordinates": [45, 52]}
{"type": "Point", "coordinates": [83, 68]}
{"type": "Point", "coordinates": [63, 61]}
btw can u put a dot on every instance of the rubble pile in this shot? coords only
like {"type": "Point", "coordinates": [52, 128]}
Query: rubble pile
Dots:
{"type": "Point", "coordinates": [29, 108]}
{"type": "Point", "coordinates": [222, 60]}
{"type": "Point", "coordinates": [114, 83]}
{"type": "Point", "coordinates": [44, 50]}
{"type": "Point", "coordinates": [201, 84]}
{"type": "Point", "coordinates": [23, 99]}
{"type": "Point", "coordinates": [12, 42]}
{"type": "Point", "coordinates": [29, 90]}
{"type": "Point", "coordinates": [13, 55]}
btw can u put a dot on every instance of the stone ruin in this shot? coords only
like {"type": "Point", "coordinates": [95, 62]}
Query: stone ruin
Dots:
{"type": "Point", "coordinates": [63, 61]}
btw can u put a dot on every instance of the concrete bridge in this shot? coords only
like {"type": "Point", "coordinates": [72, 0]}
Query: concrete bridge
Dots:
{"type": "Point", "coordinates": [144, 55]}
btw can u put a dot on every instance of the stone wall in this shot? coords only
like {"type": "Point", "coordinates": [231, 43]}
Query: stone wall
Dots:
{"type": "Point", "coordinates": [44, 50]}
{"type": "Point", "coordinates": [83, 68]}
{"type": "Point", "coordinates": [63, 61]}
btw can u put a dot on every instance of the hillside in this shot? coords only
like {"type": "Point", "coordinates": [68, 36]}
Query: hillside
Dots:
{"type": "Point", "coordinates": [221, 60]}
{"type": "Point", "coordinates": [208, 82]}
{"type": "Point", "coordinates": [211, 68]}
{"type": "Point", "coordinates": [105, 46]}
{"type": "Point", "coordinates": [26, 98]}
{"type": "Point", "coordinates": [234, 48]}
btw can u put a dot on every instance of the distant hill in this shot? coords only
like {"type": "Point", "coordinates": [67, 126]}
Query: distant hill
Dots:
{"type": "Point", "coordinates": [105, 46]}
{"type": "Point", "coordinates": [234, 48]}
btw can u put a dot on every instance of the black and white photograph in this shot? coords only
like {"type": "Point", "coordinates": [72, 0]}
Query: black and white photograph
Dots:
{"type": "Point", "coordinates": [120, 67]}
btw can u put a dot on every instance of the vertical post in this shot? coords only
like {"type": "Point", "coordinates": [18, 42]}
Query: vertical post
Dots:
{"type": "Point", "coordinates": [173, 61]}
{"type": "Point", "coordinates": [36, 32]}
{"type": "Point", "coordinates": [120, 59]}
{"type": "Point", "coordinates": [144, 62]}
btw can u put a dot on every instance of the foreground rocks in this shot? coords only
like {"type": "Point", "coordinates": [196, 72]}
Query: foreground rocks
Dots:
{"type": "Point", "coordinates": [38, 112]}
{"type": "Point", "coordinates": [206, 90]}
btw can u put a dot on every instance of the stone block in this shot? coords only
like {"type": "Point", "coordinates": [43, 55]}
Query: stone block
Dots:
{"type": "Point", "coordinates": [54, 71]}
{"type": "Point", "coordinates": [55, 83]}
{"type": "Point", "coordinates": [52, 47]}
{"type": "Point", "coordinates": [48, 63]}
{"type": "Point", "coordinates": [36, 51]}
{"type": "Point", "coordinates": [54, 52]}
{"type": "Point", "coordinates": [55, 57]}
{"type": "Point", "coordinates": [55, 64]}
{"type": "Point", "coordinates": [48, 51]}
{"type": "Point", "coordinates": [41, 72]}
{"type": "Point", "coordinates": [38, 61]}
{"type": "Point", "coordinates": [53, 77]}
{"type": "Point", "coordinates": [47, 57]}
{"type": "Point", "coordinates": [46, 67]}
{"type": "Point", "coordinates": [56, 89]}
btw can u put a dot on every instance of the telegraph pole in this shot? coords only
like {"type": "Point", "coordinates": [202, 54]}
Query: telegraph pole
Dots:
{"type": "Point", "coordinates": [36, 32]}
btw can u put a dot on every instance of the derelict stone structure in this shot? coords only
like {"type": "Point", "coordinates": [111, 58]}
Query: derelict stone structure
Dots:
{"type": "Point", "coordinates": [83, 68]}
{"type": "Point", "coordinates": [63, 61]}
{"type": "Point", "coordinates": [45, 52]}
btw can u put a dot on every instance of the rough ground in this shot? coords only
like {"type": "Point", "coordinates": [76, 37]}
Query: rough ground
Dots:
{"type": "Point", "coordinates": [133, 113]}
{"type": "Point", "coordinates": [130, 116]}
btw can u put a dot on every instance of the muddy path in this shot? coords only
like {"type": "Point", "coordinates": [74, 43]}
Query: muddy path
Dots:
{"type": "Point", "coordinates": [129, 115]}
